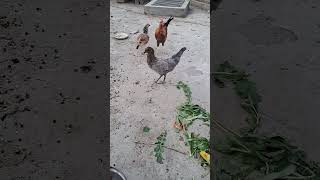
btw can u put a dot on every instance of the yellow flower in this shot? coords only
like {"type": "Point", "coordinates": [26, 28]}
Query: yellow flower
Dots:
{"type": "Point", "coordinates": [205, 156]}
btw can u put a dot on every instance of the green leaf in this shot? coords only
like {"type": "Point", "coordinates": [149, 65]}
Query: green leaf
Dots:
{"type": "Point", "coordinates": [146, 129]}
{"type": "Point", "coordinates": [186, 90]}
{"type": "Point", "coordinates": [159, 149]}
{"type": "Point", "coordinates": [244, 88]}
{"type": "Point", "coordinates": [197, 144]}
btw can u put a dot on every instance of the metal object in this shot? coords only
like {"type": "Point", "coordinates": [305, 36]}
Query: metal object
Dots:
{"type": "Point", "coordinates": [121, 36]}
{"type": "Point", "coordinates": [116, 174]}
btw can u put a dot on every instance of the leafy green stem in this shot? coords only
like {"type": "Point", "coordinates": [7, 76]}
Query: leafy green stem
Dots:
{"type": "Point", "coordinates": [300, 176]}
{"type": "Point", "coordinates": [219, 125]}
{"type": "Point", "coordinates": [163, 146]}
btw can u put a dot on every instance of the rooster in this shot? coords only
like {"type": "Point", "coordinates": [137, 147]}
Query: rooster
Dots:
{"type": "Point", "coordinates": [143, 38]}
{"type": "Point", "coordinates": [161, 31]}
{"type": "Point", "coordinates": [162, 66]}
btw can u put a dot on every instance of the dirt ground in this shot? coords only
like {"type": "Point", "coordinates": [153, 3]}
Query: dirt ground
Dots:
{"type": "Point", "coordinates": [52, 68]}
{"type": "Point", "coordinates": [135, 103]}
{"type": "Point", "coordinates": [278, 43]}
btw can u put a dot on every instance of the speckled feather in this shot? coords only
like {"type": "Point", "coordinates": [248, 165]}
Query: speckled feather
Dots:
{"type": "Point", "coordinates": [163, 66]}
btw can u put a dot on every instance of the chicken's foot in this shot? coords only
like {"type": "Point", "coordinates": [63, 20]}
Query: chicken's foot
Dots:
{"type": "Point", "coordinates": [164, 79]}
{"type": "Point", "coordinates": [158, 78]}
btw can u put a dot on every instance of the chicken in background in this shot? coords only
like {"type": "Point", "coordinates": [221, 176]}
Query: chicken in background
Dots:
{"type": "Point", "coordinates": [143, 38]}
{"type": "Point", "coordinates": [162, 66]}
{"type": "Point", "coordinates": [162, 31]}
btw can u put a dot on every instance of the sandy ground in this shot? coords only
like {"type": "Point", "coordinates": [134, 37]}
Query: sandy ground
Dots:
{"type": "Point", "coordinates": [280, 48]}
{"type": "Point", "coordinates": [136, 104]}
{"type": "Point", "coordinates": [52, 67]}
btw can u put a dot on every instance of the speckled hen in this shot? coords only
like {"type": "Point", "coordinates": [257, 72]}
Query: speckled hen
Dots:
{"type": "Point", "coordinates": [162, 66]}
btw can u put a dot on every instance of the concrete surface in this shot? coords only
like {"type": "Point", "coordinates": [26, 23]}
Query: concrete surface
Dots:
{"type": "Point", "coordinates": [136, 104]}
{"type": "Point", "coordinates": [52, 67]}
{"type": "Point", "coordinates": [160, 10]}
{"type": "Point", "coordinates": [278, 42]}
{"type": "Point", "coordinates": [202, 4]}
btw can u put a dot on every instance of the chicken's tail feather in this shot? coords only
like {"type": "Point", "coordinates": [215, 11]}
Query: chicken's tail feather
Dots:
{"type": "Point", "coordinates": [179, 54]}
{"type": "Point", "coordinates": [167, 23]}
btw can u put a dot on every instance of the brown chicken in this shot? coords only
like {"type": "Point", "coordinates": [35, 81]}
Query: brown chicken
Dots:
{"type": "Point", "coordinates": [143, 38]}
{"type": "Point", "coordinates": [162, 31]}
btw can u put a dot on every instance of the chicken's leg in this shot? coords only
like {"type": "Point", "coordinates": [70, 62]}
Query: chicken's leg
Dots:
{"type": "Point", "coordinates": [164, 79]}
{"type": "Point", "coordinates": [158, 78]}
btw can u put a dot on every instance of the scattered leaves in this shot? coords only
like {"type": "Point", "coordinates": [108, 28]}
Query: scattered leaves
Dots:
{"type": "Point", "coordinates": [244, 88]}
{"type": "Point", "coordinates": [265, 156]}
{"type": "Point", "coordinates": [186, 90]}
{"type": "Point", "coordinates": [146, 129]}
{"type": "Point", "coordinates": [197, 144]}
{"type": "Point", "coordinates": [251, 156]}
{"type": "Point", "coordinates": [227, 72]}
{"type": "Point", "coordinates": [159, 149]}
{"type": "Point", "coordinates": [188, 112]}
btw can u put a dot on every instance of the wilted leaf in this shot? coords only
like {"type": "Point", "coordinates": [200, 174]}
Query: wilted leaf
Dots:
{"type": "Point", "coordinates": [205, 156]}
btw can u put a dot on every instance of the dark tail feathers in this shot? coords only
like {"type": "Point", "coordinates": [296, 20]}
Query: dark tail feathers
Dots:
{"type": "Point", "coordinates": [167, 23]}
{"type": "Point", "coordinates": [179, 54]}
{"type": "Point", "coordinates": [183, 49]}
{"type": "Point", "coordinates": [137, 47]}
